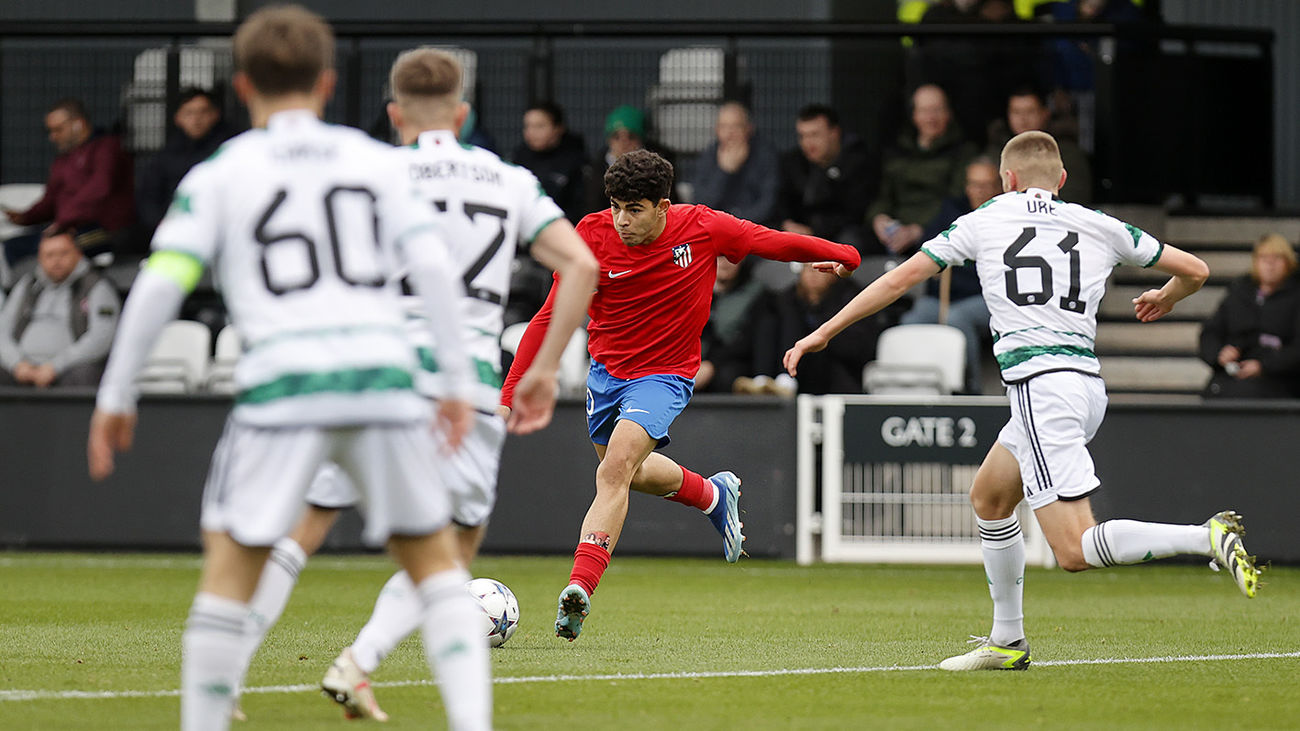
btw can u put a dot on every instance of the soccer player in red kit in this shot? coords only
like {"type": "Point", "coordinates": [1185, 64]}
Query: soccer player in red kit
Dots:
{"type": "Point", "coordinates": [657, 270]}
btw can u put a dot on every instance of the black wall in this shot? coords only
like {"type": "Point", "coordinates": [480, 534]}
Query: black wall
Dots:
{"type": "Point", "coordinates": [547, 479]}
{"type": "Point", "coordinates": [1156, 462]}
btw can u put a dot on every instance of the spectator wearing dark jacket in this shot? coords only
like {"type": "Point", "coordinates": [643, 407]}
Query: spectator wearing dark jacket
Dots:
{"type": "Point", "coordinates": [826, 181]}
{"type": "Point", "coordinates": [967, 310]}
{"type": "Point", "coordinates": [556, 156]}
{"type": "Point", "coordinates": [927, 165]}
{"type": "Point", "coordinates": [1253, 340]}
{"type": "Point", "coordinates": [727, 350]}
{"type": "Point", "coordinates": [90, 190]}
{"type": "Point", "coordinates": [738, 173]}
{"type": "Point", "coordinates": [801, 308]}
{"type": "Point", "coordinates": [200, 132]}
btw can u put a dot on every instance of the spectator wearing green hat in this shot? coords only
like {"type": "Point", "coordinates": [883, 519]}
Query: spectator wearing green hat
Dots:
{"type": "Point", "coordinates": [625, 131]}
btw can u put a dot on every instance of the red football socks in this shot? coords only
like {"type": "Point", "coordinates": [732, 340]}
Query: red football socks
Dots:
{"type": "Point", "coordinates": [589, 564]}
{"type": "Point", "coordinates": [695, 491]}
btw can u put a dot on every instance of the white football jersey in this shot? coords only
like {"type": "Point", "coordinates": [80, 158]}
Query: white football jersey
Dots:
{"type": "Point", "coordinates": [301, 223]}
{"type": "Point", "coordinates": [487, 208]}
{"type": "Point", "coordinates": [1043, 265]}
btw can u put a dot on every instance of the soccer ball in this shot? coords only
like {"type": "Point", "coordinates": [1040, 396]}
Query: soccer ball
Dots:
{"type": "Point", "coordinates": [500, 609]}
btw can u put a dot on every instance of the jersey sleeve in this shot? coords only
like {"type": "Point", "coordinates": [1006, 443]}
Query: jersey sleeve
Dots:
{"type": "Point", "coordinates": [193, 223]}
{"type": "Point", "coordinates": [1132, 245]}
{"type": "Point", "coordinates": [955, 245]}
{"type": "Point", "coordinates": [735, 238]}
{"type": "Point", "coordinates": [536, 209]}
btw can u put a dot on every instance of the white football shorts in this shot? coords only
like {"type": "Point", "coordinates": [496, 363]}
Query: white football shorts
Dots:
{"type": "Point", "coordinates": [1053, 417]}
{"type": "Point", "coordinates": [260, 476]}
{"type": "Point", "coordinates": [470, 473]}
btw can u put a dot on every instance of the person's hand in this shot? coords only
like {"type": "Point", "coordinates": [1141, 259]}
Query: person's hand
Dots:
{"type": "Point", "coordinates": [881, 224]}
{"type": "Point", "coordinates": [24, 372]}
{"type": "Point", "coordinates": [534, 402]}
{"type": "Point", "coordinates": [453, 421]}
{"type": "Point", "coordinates": [833, 267]}
{"type": "Point", "coordinates": [704, 376]}
{"type": "Point", "coordinates": [109, 433]}
{"type": "Point", "coordinates": [1229, 354]}
{"type": "Point", "coordinates": [810, 343]}
{"type": "Point", "coordinates": [795, 227]}
{"type": "Point", "coordinates": [503, 411]}
{"type": "Point", "coordinates": [43, 375]}
{"type": "Point", "coordinates": [1248, 369]}
{"type": "Point", "coordinates": [12, 215]}
{"type": "Point", "coordinates": [732, 156]}
{"type": "Point", "coordinates": [903, 238]}
{"type": "Point", "coordinates": [1151, 305]}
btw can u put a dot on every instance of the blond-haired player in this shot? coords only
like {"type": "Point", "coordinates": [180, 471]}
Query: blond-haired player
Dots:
{"type": "Point", "coordinates": [305, 225]}
{"type": "Point", "coordinates": [488, 207]}
{"type": "Point", "coordinates": [1043, 265]}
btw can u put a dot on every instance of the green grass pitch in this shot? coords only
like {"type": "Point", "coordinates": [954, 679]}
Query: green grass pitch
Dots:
{"type": "Point", "coordinates": [93, 641]}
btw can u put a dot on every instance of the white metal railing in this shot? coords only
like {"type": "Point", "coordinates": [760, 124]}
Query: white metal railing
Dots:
{"type": "Point", "coordinates": [893, 486]}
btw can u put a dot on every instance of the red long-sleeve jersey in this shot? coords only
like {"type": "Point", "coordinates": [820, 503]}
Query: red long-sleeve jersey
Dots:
{"type": "Point", "coordinates": [652, 300]}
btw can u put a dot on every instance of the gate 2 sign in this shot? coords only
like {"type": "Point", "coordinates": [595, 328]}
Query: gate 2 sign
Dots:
{"type": "Point", "coordinates": [943, 433]}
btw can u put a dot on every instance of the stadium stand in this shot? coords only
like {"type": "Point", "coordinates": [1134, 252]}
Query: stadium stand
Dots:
{"type": "Point", "coordinates": [1160, 357]}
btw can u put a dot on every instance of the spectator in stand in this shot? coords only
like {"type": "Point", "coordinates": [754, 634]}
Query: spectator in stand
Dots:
{"type": "Point", "coordinates": [89, 192]}
{"type": "Point", "coordinates": [1027, 109]}
{"type": "Point", "coordinates": [1253, 340]}
{"type": "Point", "coordinates": [738, 173]}
{"type": "Point", "coordinates": [927, 165]}
{"type": "Point", "coordinates": [556, 156]}
{"type": "Point", "coordinates": [202, 130]}
{"type": "Point", "coordinates": [826, 181]}
{"type": "Point", "coordinates": [727, 344]}
{"type": "Point", "coordinates": [625, 131]}
{"type": "Point", "coordinates": [978, 72]}
{"type": "Point", "coordinates": [58, 323]}
{"type": "Point", "coordinates": [801, 308]}
{"type": "Point", "coordinates": [967, 310]}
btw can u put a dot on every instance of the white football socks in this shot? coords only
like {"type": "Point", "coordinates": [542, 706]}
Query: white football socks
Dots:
{"type": "Point", "coordinates": [279, 576]}
{"type": "Point", "coordinates": [1116, 542]}
{"type": "Point", "coordinates": [397, 614]}
{"type": "Point", "coordinates": [456, 651]}
{"type": "Point", "coordinates": [211, 666]}
{"type": "Point", "coordinates": [1003, 547]}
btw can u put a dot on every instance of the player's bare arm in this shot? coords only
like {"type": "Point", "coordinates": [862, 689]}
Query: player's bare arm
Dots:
{"type": "Point", "coordinates": [878, 295]}
{"type": "Point", "coordinates": [559, 248]}
{"type": "Point", "coordinates": [1188, 274]}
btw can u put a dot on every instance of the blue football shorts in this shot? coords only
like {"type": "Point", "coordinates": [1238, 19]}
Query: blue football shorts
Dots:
{"type": "Point", "coordinates": [651, 401]}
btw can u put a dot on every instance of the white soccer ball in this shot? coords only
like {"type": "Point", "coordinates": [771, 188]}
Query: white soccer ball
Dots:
{"type": "Point", "coordinates": [500, 609]}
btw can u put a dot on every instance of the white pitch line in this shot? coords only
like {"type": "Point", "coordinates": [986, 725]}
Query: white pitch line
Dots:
{"type": "Point", "coordinates": [38, 695]}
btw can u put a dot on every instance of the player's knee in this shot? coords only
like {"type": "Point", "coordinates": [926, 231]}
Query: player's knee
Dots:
{"type": "Point", "coordinates": [611, 475]}
{"type": "Point", "coordinates": [991, 506]}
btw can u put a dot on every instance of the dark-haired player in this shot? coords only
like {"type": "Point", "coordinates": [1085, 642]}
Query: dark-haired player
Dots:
{"type": "Point", "coordinates": [657, 269]}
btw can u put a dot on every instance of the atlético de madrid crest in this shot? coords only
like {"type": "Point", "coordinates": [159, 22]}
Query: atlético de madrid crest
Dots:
{"type": "Point", "coordinates": [682, 255]}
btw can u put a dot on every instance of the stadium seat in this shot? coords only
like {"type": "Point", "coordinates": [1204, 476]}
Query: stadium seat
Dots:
{"type": "Point", "coordinates": [917, 359]}
{"type": "Point", "coordinates": [574, 364]}
{"type": "Point", "coordinates": [511, 336]}
{"type": "Point", "coordinates": [221, 376]}
{"type": "Point", "coordinates": [179, 360]}
{"type": "Point", "coordinates": [684, 103]}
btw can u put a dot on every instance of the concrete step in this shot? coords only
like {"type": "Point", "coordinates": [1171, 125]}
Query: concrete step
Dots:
{"type": "Point", "coordinates": [1148, 338]}
{"type": "Point", "coordinates": [1238, 231]}
{"type": "Point", "coordinates": [1154, 374]}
